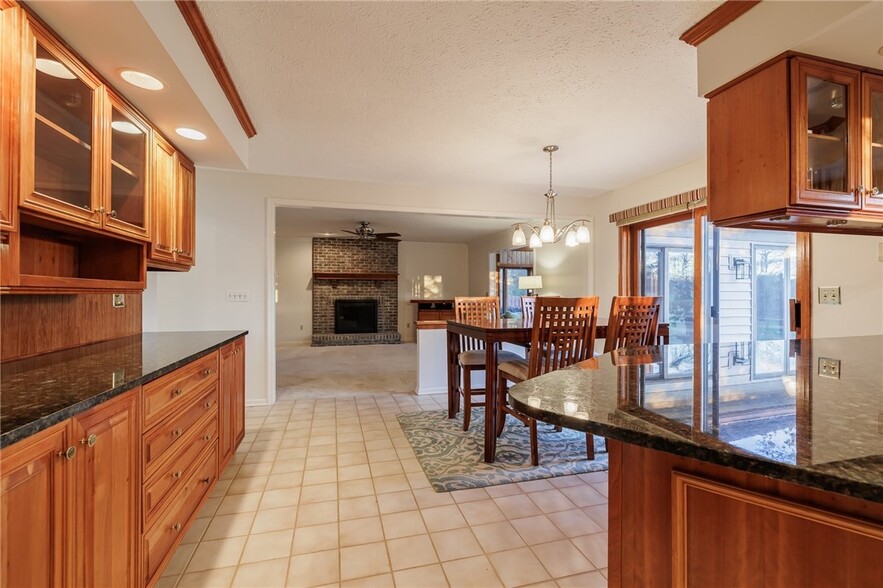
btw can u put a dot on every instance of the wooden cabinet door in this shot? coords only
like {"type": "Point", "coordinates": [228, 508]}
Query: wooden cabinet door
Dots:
{"type": "Point", "coordinates": [35, 513]}
{"type": "Point", "coordinates": [108, 492]}
{"type": "Point", "coordinates": [239, 404]}
{"type": "Point", "coordinates": [872, 142]}
{"type": "Point", "coordinates": [186, 217]}
{"type": "Point", "coordinates": [128, 137]}
{"type": "Point", "coordinates": [227, 381]}
{"type": "Point", "coordinates": [11, 20]}
{"type": "Point", "coordinates": [164, 210]}
{"type": "Point", "coordinates": [826, 131]}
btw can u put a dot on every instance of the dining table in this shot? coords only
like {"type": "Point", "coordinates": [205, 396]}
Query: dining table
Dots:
{"type": "Point", "coordinates": [493, 333]}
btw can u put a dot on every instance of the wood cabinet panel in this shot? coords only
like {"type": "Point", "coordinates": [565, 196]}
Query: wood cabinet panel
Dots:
{"type": "Point", "coordinates": [165, 439]}
{"type": "Point", "coordinates": [239, 404]}
{"type": "Point", "coordinates": [108, 492]}
{"type": "Point", "coordinates": [11, 23]}
{"type": "Point", "coordinates": [35, 514]}
{"type": "Point", "coordinates": [174, 391]}
{"type": "Point", "coordinates": [163, 190]}
{"type": "Point", "coordinates": [186, 213]}
{"type": "Point", "coordinates": [227, 399]}
{"type": "Point", "coordinates": [126, 191]}
{"type": "Point", "coordinates": [872, 141]}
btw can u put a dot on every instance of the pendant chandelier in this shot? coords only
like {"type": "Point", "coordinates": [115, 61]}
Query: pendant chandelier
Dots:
{"type": "Point", "coordinates": [573, 233]}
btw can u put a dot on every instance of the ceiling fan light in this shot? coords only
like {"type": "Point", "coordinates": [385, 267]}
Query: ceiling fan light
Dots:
{"type": "Point", "coordinates": [518, 237]}
{"type": "Point", "coordinates": [570, 240]}
{"type": "Point", "coordinates": [547, 233]}
{"type": "Point", "coordinates": [583, 235]}
{"type": "Point", "coordinates": [535, 241]}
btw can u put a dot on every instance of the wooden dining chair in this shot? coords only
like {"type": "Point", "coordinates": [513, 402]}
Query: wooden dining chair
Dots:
{"type": "Point", "coordinates": [472, 352]}
{"type": "Point", "coordinates": [563, 334]}
{"type": "Point", "coordinates": [528, 303]}
{"type": "Point", "coordinates": [633, 322]}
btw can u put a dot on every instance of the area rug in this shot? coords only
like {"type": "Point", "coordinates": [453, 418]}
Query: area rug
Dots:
{"type": "Point", "coordinates": [452, 458]}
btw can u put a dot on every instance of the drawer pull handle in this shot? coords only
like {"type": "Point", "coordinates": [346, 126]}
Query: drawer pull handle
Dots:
{"type": "Point", "coordinates": [90, 440]}
{"type": "Point", "coordinates": [177, 392]}
{"type": "Point", "coordinates": [176, 475]}
{"type": "Point", "coordinates": [208, 371]}
{"type": "Point", "coordinates": [176, 527]}
{"type": "Point", "coordinates": [207, 437]}
{"type": "Point", "coordinates": [209, 403]}
{"type": "Point", "coordinates": [69, 453]}
{"type": "Point", "coordinates": [176, 433]}
{"type": "Point", "coordinates": [206, 480]}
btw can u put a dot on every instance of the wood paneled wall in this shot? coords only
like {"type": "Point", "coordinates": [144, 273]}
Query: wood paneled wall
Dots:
{"type": "Point", "coordinates": [34, 324]}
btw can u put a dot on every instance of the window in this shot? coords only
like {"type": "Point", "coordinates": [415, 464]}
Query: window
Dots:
{"type": "Point", "coordinates": [511, 265]}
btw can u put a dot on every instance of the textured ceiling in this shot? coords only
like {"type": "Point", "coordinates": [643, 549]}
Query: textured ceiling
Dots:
{"type": "Point", "coordinates": [465, 92]}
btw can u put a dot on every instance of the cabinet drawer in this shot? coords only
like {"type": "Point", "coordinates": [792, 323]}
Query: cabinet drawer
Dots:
{"type": "Point", "coordinates": [163, 395]}
{"type": "Point", "coordinates": [174, 432]}
{"type": "Point", "coordinates": [172, 523]}
{"type": "Point", "coordinates": [172, 473]}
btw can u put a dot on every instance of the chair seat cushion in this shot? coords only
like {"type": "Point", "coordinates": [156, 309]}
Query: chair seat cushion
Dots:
{"type": "Point", "coordinates": [515, 371]}
{"type": "Point", "coordinates": [476, 358]}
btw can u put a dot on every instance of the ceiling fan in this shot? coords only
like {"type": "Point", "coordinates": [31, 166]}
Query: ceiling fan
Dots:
{"type": "Point", "coordinates": [366, 233]}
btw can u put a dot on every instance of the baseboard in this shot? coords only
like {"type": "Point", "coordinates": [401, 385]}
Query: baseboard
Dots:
{"type": "Point", "coordinates": [425, 391]}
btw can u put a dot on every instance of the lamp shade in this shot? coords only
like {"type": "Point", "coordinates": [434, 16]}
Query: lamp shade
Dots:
{"type": "Point", "coordinates": [530, 282]}
{"type": "Point", "coordinates": [518, 237]}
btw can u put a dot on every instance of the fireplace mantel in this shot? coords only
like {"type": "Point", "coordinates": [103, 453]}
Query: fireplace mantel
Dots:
{"type": "Point", "coordinates": [354, 276]}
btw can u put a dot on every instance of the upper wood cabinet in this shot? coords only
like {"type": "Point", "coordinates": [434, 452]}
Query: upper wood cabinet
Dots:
{"type": "Point", "coordinates": [126, 191]}
{"type": "Point", "coordinates": [11, 23]}
{"type": "Point", "coordinates": [872, 141]}
{"type": "Point", "coordinates": [174, 209]}
{"type": "Point", "coordinates": [790, 146]}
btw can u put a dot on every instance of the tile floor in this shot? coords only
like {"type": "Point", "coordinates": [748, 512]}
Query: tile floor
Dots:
{"type": "Point", "coordinates": [326, 491]}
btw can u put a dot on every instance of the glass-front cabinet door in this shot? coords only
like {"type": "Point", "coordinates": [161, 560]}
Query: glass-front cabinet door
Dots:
{"type": "Point", "coordinates": [827, 135]}
{"type": "Point", "coordinates": [61, 165]}
{"type": "Point", "coordinates": [872, 180]}
{"type": "Point", "coordinates": [126, 209]}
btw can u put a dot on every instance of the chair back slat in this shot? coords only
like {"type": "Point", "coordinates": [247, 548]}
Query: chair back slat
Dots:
{"type": "Point", "coordinates": [634, 322]}
{"type": "Point", "coordinates": [475, 309]}
{"type": "Point", "coordinates": [563, 333]}
{"type": "Point", "coordinates": [528, 303]}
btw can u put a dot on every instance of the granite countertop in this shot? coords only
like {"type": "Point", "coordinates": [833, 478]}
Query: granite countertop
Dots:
{"type": "Point", "coordinates": [761, 407]}
{"type": "Point", "coordinates": [40, 391]}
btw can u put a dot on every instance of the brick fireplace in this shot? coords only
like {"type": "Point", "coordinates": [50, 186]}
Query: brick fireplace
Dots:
{"type": "Point", "coordinates": [352, 273]}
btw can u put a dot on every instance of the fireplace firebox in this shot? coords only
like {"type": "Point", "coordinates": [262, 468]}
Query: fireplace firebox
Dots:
{"type": "Point", "coordinates": [355, 316]}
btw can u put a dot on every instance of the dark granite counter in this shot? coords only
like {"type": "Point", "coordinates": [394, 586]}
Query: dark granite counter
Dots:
{"type": "Point", "coordinates": [40, 391]}
{"type": "Point", "coordinates": [763, 407]}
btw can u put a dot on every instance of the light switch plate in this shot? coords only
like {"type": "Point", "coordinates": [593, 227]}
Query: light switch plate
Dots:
{"type": "Point", "coordinates": [829, 295]}
{"type": "Point", "coordinates": [829, 368]}
{"type": "Point", "coordinates": [119, 300]}
{"type": "Point", "coordinates": [237, 295]}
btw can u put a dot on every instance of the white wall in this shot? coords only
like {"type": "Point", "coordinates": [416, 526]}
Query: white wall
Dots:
{"type": "Point", "coordinates": [450, 261]}
{"type": "Point", "coordinates": [566, 271]}
{"type": "Point", "coordinates": [848, 261]}
{"type": "Point", "coordinates": [479, 268]}
{"type": "Point", "coordinates": [294, 270]}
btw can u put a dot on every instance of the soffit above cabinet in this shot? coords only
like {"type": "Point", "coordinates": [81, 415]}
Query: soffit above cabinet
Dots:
{"type": "Point", "coordinates": [152, 37]}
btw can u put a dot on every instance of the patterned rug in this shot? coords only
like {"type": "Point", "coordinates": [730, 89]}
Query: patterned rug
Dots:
{"type": "Point", "coordinates": [452, 458]}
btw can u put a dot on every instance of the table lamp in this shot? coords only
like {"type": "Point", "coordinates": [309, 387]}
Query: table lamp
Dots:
{"type": "Point", "coordinates": [530, 283]}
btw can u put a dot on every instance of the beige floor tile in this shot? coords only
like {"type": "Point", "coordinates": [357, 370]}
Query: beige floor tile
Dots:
{"type": "Point", "coordinates": [455, 544]}
{"type": "Point", "coordinates": [216, 554]}
{"type": "Point", "coordinates": [167, 582]}
{"type": "Point", "coordinates": [378, 455]}
{"type": "Point", "coordinates": [474, 572]}
{"type": "Point", "coordinates": [551, 501]}
{"type": "Point", "coordinates": [603, 572]}
{"type": "Point", "coordinates": [279, 498]}
{"type": "Point", "coordinates": [296, 454]}
{"type": "Point", "coordinates": [379, 581]}
{"type": "Point", "coordinates": [321, 462]}
{"type": "Point", "coordinates": [411, 465]}
{"type": "Point", "coordinates": [497, 537]}
{"type": "Point", "coordinates": [288, 466]}
{"type": "Point", "coordinates": [223, 526]}
{"type": "Point", "coordinates": [262, 574]}
{"type": "Point", "coordinates": [318, 493]}
{"type": "Point", "coordinates": [428, 498]}
{"type": "Point", "coordinates": [593, 547]}
{"type": "Point", "coordinates": [209, 508]}
{"type": "Point", "coordinates": [562, 558]}
{"type": "Point", "coordinates": [536, 485]}
{"type": "Point", "coordinates": [260, 456]}
{"type": "Point", "coordinates": [443, 518]}
{"type": "Point", "coordinates": [386, 468]}
{"type": "Point", "coordinates": [314, 569]}
{"type": "Point", "coordinates": [587, 580]}
{"type": "Point", "coordinates": [574, 523]}
{"type": "Point", "coordinates": [360, 531]}
{"type": "Point", "coordinates": [263, 546]}
{"type": "Point", "coordinates": [517, 567]}
{"type": "Point", "coordinates": [355, 488]}
{"type": "Point", "coordinates": [319, 450]}
{"type": "Point", "coordinates": [396, 502]}
{"type": "Point", "coordinates": [179, 561]}
{"type": "Point", "coordinates": [247, 485]}
{"type": "Point", "coordinates": [503, 490]}
{"type": "Point", "coordinates": [599, 514]}
{"type": "Point", "coordinates": [363, 560]}
{"type": "Point", "coordinates": [350, 444]}
{"type": "Point", "coordinates": [584, 495]}
{"type": "Point", "coordinates": [316, 514]}
{"type": "Point", "coordinates": [275, 519]}
{"type": "Point", "coordinates": [217, 578]}
{"type": "Point", "coordinates": [517, 506]}
{"type": "Point", "coordinates": [353, 472]}
{"type": "Point", "coordinates": [402, 524]}
{"type": "Point", "coordinates": [601, 488]}
{"type": "Point", "coordinates": [394, 483]}
{"type": "Point", "coordinates": [322, 476]}
{"type": "Point", "coordinates": [357, 508]}
{"type": "Point", "coordinates": [418, 481]}
{"type": "Point", "coordinates": [424, 577]}
{"type": "Point", "coordinates": [196, 531]}
{"type": "Point", "coordinates": [565, 481]}
{"type": "Point", "coordinates": [470, 495]}
{"type": "Point", "coordinates": [249, 470]}
{"type": "Point", "coordinates": [239, 503]}
{"type": "Point", "coordinates": [288, 480]}
{"type": "Point", "coordinates": [538, 529]}
{"type": "Point", "coordinates": [352, 458]}
{"type": "Point", "coordinates": [315, 538]}
{"type": "Point", "coordinates": [481, 512]}
{"type": "Point", "coordinates": [593, 477]}
{"type": "Point", "coordinates": [411, 552]}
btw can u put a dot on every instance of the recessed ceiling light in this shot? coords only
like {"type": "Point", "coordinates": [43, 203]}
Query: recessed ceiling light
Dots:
{"type": "Point", "coordinates": [141, 80]}
{"type": "Point", "coordinates": [190, 134]}
{"type": "Point", "coordinates": [125, 126]}
{"type": "Point", "coordinates": [54, 68]}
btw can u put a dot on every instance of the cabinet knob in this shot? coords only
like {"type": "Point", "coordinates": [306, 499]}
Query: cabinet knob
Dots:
{"type": "Point", "coordinates": [87, 207]}
{"type": "Point", "coordinates": [209, 403]}
{"type": "Point", "coordinates": [176, 433]}
{"type": "Point", "coordinates": [101, 210]}
{"type": "Point", "coordinates": [112, 214]}
{"type": "Point", "coordinates": [176, 475]}
{"type": "Point", "coordinates": [177, 392]}
{"type": "Point", "coordinates": [176, 527]}
{"type": "Point", "coordinates": [69, 453]}
{"type": "Point", "coordinates": [90, 440]}
{"type": "Point", "coordinates": [206, 480]}
{"type": "Point", "coordinates": [208, 371]}
{"type": "Point", "coordinates": [207, 437]}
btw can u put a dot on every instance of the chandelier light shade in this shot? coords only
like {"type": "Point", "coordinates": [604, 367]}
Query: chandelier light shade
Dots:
{"type": "Point", "coordinates": [573, 233]}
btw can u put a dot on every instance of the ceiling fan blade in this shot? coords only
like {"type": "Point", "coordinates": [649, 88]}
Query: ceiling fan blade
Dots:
{"type": "Point", "coordinates": [350, 232]}
{"type": "Point", "coordinates": [387, 234]}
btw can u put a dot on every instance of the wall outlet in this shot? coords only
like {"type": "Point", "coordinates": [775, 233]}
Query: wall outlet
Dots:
{"type": "Point", "coordinates": [829, 295]}
{"type": "Point", "coordinates": [237, 295]}
{"type": "Point", "coordinates": [119, 300]}
{"type": "Point", "coordinates": [829, 368]}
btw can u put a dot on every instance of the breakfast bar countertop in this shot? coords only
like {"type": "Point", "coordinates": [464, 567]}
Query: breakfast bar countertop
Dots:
{"type": "Point", "coordinates": [772, 408]}
{"type": "Point", "coordinates": [43, 390]}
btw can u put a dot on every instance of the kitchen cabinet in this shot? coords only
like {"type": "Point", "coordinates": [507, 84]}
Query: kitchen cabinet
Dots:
{"type": "Point", "coordinates": [790, 146]}
{"type": "Point", "coordinates": [11, 22]}
{"type": "Point", "coordinates": [70, 501]}
{"type": "Point", "coordinates": [125, 206]}
{"type": "Point", "coordinates": [174, 209]}
{"type": "Point", "coordinates": [232, 398]}
{"type": "Point", "coordinates": [872, 141]}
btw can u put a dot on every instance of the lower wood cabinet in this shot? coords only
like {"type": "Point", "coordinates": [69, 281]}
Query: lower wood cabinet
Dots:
{"type": "Point", "coordinates": [232, 398]}
{"type": "Point", "coordinates": [70, 501]}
